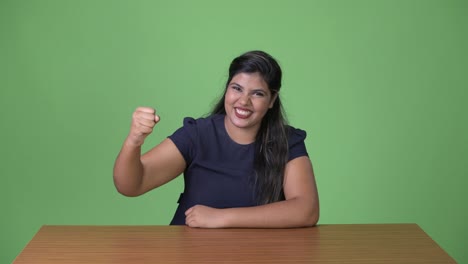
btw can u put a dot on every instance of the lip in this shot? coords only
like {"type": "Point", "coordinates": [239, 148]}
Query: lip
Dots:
{"type": "Point", "coordinates": [242, 109]}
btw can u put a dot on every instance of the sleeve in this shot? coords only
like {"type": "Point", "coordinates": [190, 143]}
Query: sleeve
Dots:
{"type": "Point", "coordinates": [185, 138]}
{"type": "Point", "coordinates": [296, 143]}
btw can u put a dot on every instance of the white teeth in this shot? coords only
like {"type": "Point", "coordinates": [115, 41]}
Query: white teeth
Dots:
{"type": "Point", "coordinates": [242, 112]}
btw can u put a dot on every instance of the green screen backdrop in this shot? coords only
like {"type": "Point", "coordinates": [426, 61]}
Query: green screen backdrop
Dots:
{"type": "Point", "coordinates": [380, 87]}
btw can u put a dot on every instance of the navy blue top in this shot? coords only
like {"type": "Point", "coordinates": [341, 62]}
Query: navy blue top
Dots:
{"type": "Point", "coordinates": [219, 170]}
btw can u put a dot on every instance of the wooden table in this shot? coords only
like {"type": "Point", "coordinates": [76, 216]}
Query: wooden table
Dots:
{"type": "Point", "coordinates": [379, 243]}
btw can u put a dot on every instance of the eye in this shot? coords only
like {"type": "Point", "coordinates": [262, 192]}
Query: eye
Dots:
{"type": "Point", "coordinates": [236, 88]}
{"type": "Point", "coordinates": [259, 94]}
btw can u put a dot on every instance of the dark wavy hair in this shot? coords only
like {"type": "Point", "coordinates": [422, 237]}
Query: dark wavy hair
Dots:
{"type": "Point", "coordinates": [271, 144]}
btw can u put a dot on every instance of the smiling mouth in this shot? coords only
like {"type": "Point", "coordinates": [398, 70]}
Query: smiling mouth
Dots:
{"type": "Point", "coordinates": [242, 113]}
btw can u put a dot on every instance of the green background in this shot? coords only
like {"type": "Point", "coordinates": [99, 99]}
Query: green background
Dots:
{"type": "Point", "coordinates": [380, 87]}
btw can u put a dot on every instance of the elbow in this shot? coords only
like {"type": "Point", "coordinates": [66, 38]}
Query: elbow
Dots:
{"type": "Point", "coordinates": [306, 213]}
{"type": "Point", "coordinates": [311, 218]}
{"type": "Point", "coordinates": [125, 190]}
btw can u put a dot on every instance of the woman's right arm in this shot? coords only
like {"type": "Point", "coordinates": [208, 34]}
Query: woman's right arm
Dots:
{"type": "Point", "coordinates": [136, 174]}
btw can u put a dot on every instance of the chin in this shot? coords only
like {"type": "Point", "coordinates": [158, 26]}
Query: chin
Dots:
{"type": "Point", "coordinates": [240, 124]}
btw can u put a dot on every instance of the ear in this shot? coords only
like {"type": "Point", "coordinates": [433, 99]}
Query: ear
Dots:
{"type": "Point", "coordinates": [273, 99]}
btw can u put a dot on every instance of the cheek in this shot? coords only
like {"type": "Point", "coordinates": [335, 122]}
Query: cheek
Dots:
{"type": "Point", "coordinates": [262, 106]}
{"type": "Point", "coordinates": [229, 98]}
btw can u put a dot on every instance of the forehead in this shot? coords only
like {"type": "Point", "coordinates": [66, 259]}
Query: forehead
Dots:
{"type": "Point", "coordinates": [250, 80]}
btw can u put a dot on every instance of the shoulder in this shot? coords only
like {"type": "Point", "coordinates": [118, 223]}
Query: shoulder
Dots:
{"type": "Point", "coordinates": [295, 135]}
{"type": "Point", "coordinates": [296, 142]}
{"type": "Point", "coordinates": [196, 134]}
{"type": "Point", "coordinates": [202, 122]}
{"type": "Point", "coordinates": [201, 127]}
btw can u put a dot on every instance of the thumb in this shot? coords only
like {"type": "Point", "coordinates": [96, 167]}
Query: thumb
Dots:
{"type": "Point", "coordinates": [156, 118]}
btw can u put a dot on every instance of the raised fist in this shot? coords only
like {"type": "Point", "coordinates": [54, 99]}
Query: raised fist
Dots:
{"type": "Point", "coordinates": [143, 121]}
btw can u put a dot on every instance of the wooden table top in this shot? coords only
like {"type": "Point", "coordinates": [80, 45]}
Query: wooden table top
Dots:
{"type": "Point", "coordinates": [360, 243]}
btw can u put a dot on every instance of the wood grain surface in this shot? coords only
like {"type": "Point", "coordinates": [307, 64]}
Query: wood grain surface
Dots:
{"type": "Point", "coordinates": [363, 243]}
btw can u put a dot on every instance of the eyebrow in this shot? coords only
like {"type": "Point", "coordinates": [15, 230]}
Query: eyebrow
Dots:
{"type": "Point", "coordinates": [234, 83]}
{"type": "Point", "coordinates": [254, 90]}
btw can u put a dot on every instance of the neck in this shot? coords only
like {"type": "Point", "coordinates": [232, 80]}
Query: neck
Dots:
{"type": "Point", "coordinates": [241, 136]}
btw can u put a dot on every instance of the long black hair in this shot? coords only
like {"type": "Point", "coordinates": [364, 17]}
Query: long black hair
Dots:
{"type": "Point", "coordinates": [271, 143]}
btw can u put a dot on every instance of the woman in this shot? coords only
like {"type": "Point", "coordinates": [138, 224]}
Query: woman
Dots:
{"type": "Point", "coordinates": [243, 166]}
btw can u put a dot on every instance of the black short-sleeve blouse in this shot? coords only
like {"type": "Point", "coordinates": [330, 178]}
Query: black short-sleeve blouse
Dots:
{"type": "Point", "coordinates": [219, 170]}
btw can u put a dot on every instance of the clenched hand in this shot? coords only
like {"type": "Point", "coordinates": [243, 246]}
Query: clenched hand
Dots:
{"type": "Point", "coordinates": [143, 121]}
{"type": "Point", "coordinates": [204, 216]}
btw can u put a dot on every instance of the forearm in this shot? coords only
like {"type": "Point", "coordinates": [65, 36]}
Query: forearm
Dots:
{"type": "Point", "coordinates": [128, 170]}
{"type": "Point", "coordinates": [296, 212]}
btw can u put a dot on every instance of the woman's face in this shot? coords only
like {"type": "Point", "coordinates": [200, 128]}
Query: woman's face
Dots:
{"type": "Point", "coordinates": [247, 100]}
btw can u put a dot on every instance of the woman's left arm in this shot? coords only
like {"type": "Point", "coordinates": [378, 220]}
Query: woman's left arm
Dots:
{"type": "Point", "coordinates": [299, 209]}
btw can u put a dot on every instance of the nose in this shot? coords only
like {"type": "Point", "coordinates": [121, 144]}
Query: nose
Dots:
{"type": "Point", "coordinates": [244, 99]}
